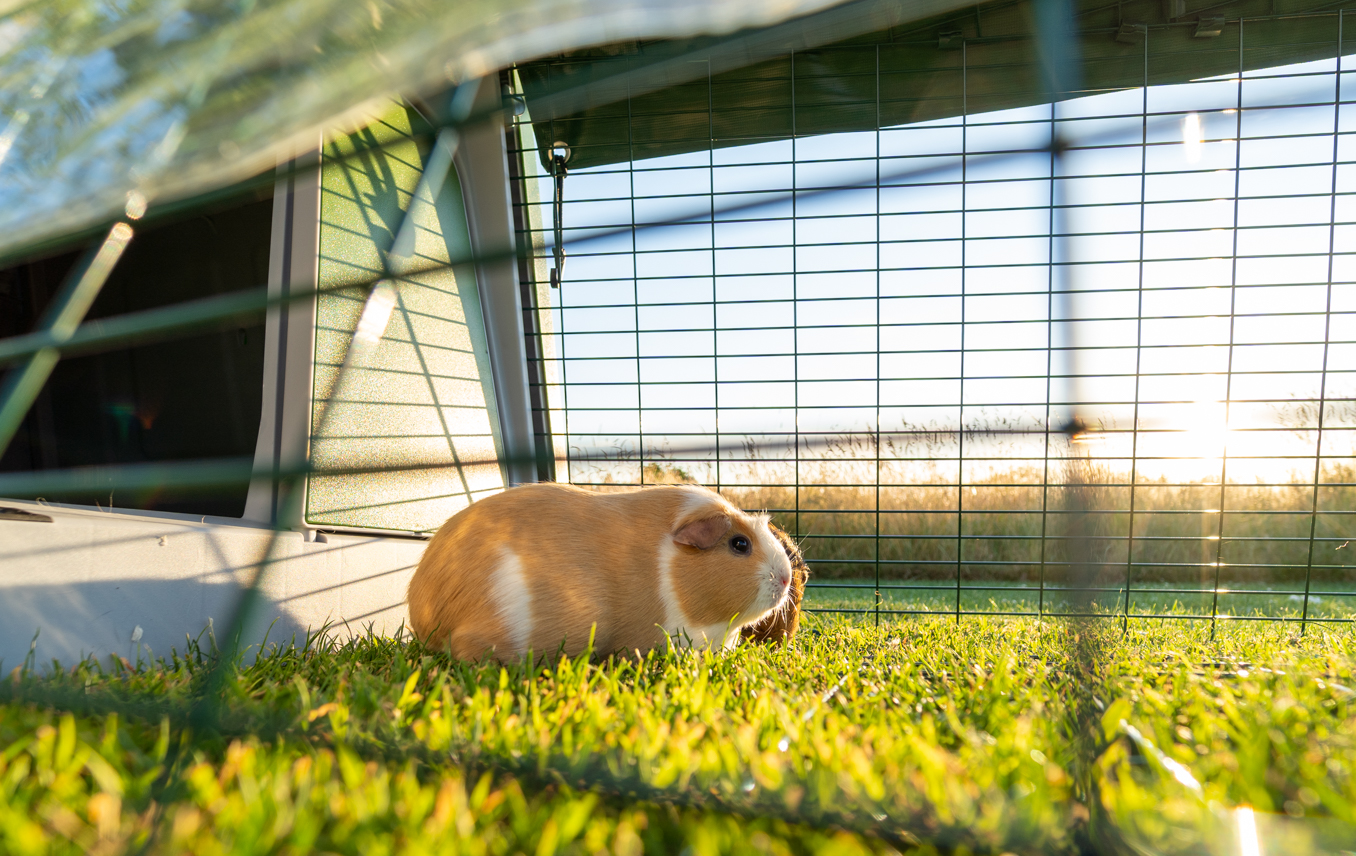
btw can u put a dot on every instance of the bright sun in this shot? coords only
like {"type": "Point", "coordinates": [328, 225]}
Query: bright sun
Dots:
{"type": "Point", "coordinates": [1207, 433]}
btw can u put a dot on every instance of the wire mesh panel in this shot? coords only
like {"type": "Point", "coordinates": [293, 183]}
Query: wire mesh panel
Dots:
{"type": "Point", "coordinates": [920, 345]}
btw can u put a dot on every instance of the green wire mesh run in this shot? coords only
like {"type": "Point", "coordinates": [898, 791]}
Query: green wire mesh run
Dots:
{"type": "Point", "coordinates": [980, 351]}
{"type": "Point", "coordinates": [950, 353]}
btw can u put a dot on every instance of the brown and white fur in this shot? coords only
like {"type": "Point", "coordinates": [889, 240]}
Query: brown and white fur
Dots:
{"type": "Point", "coordinates": [542, 566]}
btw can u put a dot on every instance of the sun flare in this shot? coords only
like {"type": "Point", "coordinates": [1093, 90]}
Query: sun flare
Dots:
{"type": "Point", "coordinates": [1206, 433]}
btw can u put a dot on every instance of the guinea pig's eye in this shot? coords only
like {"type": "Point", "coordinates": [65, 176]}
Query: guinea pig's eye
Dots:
{"type": "Point", "coordinates": [740, 545]}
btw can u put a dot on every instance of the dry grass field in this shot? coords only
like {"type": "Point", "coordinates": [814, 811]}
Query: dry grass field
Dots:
{"type": "Point", "coordinates": [932, 531]}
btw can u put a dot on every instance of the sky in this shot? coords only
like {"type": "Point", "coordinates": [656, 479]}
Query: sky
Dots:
{"type": "Point", "coordinates": [1188, 292]}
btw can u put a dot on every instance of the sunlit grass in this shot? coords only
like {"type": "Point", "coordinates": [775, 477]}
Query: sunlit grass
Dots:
{"type": "Point", "coordinates": [988, 734]}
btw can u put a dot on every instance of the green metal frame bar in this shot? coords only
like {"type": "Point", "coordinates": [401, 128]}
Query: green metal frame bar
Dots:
{"type": "Point", "coordinates": [22, 385]}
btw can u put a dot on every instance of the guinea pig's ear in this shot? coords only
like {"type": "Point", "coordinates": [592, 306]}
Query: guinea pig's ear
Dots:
{"type": "Point", "coordinates": [705, 533]}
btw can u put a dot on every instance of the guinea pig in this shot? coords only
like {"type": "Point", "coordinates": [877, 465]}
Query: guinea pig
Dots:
{"type": "Point", "coordinates": [780, 624]}
{"type": "Point", "coordinates": [544, 567]}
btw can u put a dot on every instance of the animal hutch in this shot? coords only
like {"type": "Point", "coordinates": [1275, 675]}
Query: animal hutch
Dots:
{"type": "Point", "coordinates": [936, 283]}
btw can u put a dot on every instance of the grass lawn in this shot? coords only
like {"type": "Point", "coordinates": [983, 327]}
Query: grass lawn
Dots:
{"type": "Point", "coordinates": [1335, 603]}
{"type": "Point", "coordinates": [987, 735]}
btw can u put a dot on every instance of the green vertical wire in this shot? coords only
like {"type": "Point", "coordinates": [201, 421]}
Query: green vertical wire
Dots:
{"type": "Point", "coordinates": [546, 448]}
{"type": "Point", "coordinates": [1050, 350]}
{"type": "Point", "coordinates": [1139, 337]}
{"type": "Point", "coordinates": [23, 384]}
{"type": "Point", "coordinates": [1229, 371]}
{"type": "Point", "coordinates": [1049, 371]}
{"type": "Point", "coordinates": [711, 195]}
{"type": "Point", "coordinates": [795, 315]}
{"type": "Point", "coordinates": [878, 343]}
{"type": "Point", "coordinates": [635, 278]}
{"type": "Point", "coordinates": [1327, 329]}
{"type": "Point", "coordinates": [960, 400]}
{"type": "Point", "coordinates": [560, 303]}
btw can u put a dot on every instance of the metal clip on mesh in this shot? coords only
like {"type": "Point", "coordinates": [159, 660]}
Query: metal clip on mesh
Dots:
{"type": "Point", "coordinates": [560, 153]}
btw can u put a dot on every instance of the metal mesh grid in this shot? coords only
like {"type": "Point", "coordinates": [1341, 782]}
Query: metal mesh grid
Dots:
{"type": "Point", "coordinates": [928, 349]}
{"type": "Point", "coordinates": [1063, 466]}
